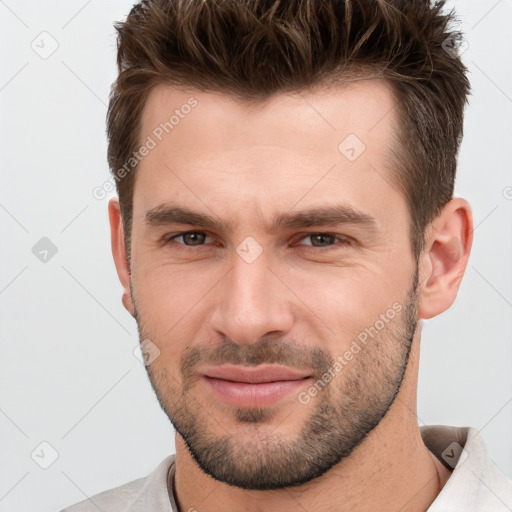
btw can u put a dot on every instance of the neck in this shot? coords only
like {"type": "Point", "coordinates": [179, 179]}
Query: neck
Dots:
{"type": "Point", "coordinates": [391, 470]}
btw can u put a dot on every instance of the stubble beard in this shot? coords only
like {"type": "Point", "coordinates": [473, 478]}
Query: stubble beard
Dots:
{"type": "Point", "coordinates": [342, 414]}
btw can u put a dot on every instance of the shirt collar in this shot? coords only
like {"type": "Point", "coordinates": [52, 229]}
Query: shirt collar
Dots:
{"type": "Point", "coordinates": [475, 484]}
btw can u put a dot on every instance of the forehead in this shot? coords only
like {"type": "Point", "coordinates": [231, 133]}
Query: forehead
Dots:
{"type": "Point", "coordinates": [362, 107]}
{"type": "Point", "coordinates": [213, 149]}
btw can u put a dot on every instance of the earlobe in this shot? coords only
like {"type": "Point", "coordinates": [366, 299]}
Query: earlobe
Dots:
{"type": "Point", "coordinates": [445, 257]}
{"type": "Point", "coordinates": [119, 252]}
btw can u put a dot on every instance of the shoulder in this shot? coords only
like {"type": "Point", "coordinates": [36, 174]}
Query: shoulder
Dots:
{"type": "Point", "coordinates": [129, 497]}
{"type": "Point", "coordinates": [475, 483]}
{"type": "Point", "coordinates": [113, 500]}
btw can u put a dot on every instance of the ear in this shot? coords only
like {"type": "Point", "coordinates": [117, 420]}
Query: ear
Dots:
{"type": "Point", "coordinates": [119, 252]}
{"type": "Point", "coordinates": [443, 262]}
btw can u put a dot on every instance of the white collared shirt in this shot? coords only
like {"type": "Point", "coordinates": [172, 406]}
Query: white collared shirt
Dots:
{"type": "Point", "coordinates": [475, 485]}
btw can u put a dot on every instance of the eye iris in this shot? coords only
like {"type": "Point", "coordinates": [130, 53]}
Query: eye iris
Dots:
{"type": "Point", "coordinates": [322, 239]}
{"type": "Point", "coordinates": [193, 238]}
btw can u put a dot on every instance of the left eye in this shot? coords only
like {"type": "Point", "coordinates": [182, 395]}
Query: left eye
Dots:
{"type": "Point", "coordinates": [191, 238]}
{"type": "Point", "coordinates": [323, 240]}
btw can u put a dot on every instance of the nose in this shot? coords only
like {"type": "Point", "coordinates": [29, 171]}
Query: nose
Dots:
{"type": "Point", "coordinates": [252, 302]}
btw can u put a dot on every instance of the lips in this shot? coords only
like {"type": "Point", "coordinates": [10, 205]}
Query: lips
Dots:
{"type": "Point", "coordinates": [254, 375]}
{"type": "Point", "coordinates": [259, 386]}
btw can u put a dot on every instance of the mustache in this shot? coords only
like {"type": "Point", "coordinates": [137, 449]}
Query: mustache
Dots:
{"type": "Point", "coordinates": [266, 351]}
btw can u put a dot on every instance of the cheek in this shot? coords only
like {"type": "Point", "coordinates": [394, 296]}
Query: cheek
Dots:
{"type": "Point", "coordinates": [171, 300]}
{"type": "Point", "coordinates": [340, 303]}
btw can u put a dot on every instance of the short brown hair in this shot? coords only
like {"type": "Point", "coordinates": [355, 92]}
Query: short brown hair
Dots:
{"type": "Point", "coordinates": [252, 49]}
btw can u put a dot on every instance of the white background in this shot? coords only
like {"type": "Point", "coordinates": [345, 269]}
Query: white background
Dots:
{"type": "Point", "coordinates": [68, 375]}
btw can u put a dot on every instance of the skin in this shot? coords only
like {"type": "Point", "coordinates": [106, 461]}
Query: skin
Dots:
{"type": "Point", "coordinates": [244, 165]}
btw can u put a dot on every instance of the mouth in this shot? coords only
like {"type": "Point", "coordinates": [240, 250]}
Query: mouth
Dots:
{"type": "Point", "coordinates": [254, 387]}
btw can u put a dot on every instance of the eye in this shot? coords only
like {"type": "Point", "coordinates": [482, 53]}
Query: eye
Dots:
{"type": "Point", "coordinates": [324, 240]}
{"type": "Point", "coordinates": [190, 238]}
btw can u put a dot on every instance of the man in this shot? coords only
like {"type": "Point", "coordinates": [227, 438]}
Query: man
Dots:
{"type": "Point", "coordinates": [285, 222]}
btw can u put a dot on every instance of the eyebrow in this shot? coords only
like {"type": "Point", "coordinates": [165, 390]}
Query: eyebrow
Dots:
{"type": "Point", "coordinates": [321, 216]}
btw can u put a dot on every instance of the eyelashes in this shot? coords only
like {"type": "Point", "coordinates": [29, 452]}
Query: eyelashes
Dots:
{"type": "Point", "coordinates": [199, 239]}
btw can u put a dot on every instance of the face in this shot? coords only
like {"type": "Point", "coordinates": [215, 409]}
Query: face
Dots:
{"type": "Point", "coordinates": [272, 276]}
